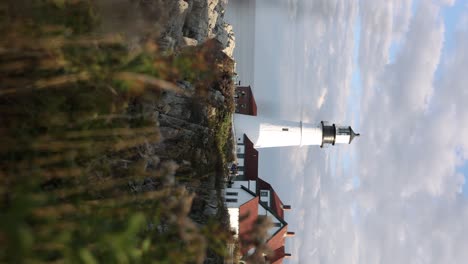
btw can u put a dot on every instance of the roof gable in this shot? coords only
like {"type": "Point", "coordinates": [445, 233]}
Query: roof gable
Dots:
{"type": "Point", "coordinates": [251, 160]}
{"type": "Point", "coordinates": [275, 202]}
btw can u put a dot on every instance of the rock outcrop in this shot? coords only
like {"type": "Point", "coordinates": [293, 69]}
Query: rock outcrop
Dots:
{"type": "Point", "coordinates": [180, 23]}
{"type": "Point", "coordinates": [186, 120]}
{"type": "Point", "coordinates": [191, 22]}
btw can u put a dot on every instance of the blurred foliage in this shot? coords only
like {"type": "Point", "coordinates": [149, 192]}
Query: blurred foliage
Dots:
{"type": "Point", "coordinates": [257, 239]}
{"type": "Point", "coordinates": [74, 186]}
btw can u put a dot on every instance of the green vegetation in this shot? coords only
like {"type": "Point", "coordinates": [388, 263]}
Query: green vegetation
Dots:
{"type": "Point", "coordinates": [79, 182]}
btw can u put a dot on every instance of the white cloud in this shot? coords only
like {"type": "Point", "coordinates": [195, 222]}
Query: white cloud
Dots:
{"type": "Point", "coordinates": [411, 122]}
{"type": "Point", "coordinates": [410, 186]}
{"type": "Point", "coordinates": [447, 2]}
{"type": "Point", "coordinates": [322, 98]}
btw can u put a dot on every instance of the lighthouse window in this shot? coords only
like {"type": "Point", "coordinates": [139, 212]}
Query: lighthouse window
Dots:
{"type": "Point", "coordinates": [343, 131]}
{"type": "Point", "coordinates": [285, 129]}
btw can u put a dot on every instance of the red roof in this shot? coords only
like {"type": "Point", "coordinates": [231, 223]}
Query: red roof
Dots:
{"type": "Point", "coordinates": [276, 243]}
{"type": "Point", "coordinates": [253, 104]}
{"type": "Point", "coordinates": [275, 202]}
{"type": "Point", "coordinates": [251, 160]}
{"type": "Point", "coordinates": [248, 214]}
{"type": "Point", "coordinates": [278, 251]}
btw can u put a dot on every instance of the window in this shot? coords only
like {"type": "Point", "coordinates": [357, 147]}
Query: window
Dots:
{"type": "Point", "coordinates": [243, 106]}
{"type": "Point", "coordinates": [343, 131]}
{"type": "Point", "coordinates": [277, 224]}
{"type": "Point", "coordinates": [263, 193]}
{"type": "Point", "coordinates": [231, 200]}
{"type": "Point", "coordinates": [241, 168]}
{"type": "Point", "coordinates": [231, 193]}
{"type": "Point", "coordinates": [285, 129]}
{"type": "Point", "coordinates": [240, 156]}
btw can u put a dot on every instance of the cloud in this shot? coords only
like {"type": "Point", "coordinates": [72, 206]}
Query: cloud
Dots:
{"type": "Point", "coordinates": [383, 22]}
{"type": "Point", "coordinates": [447, 2]}
{"type": "Point", "coordinates": [322, 98]}
{"type": "Point", "coordinates": [413, 118]}
{"type": "Point", "coordinates": [408, 208]}
{"type": "Point", "coordinates": [412, 211]}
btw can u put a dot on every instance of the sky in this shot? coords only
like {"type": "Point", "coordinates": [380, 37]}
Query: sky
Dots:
{"type": "Point", "coordinates": [397, 72]}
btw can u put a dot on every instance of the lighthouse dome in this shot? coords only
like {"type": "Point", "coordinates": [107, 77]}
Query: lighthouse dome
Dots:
{"type": "Point", "coordinates": [344, 135]}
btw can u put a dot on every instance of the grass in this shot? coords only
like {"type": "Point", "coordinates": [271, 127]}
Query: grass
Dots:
{"type": "Point", "coordinates": [79, 180]}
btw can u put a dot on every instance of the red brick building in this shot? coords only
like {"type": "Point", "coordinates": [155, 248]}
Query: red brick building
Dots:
{"type": "Point", "coordinates": [245, 101]}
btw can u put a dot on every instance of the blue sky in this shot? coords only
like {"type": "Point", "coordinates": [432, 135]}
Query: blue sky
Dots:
{"type": "Point", "coordinates": [452, 16]}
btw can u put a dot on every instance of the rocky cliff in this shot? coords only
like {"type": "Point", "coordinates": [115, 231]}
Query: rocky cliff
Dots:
{"type": "Point", "coordinates": [191, 22]}
{"type": "Point", "coordinates": [194, 124]}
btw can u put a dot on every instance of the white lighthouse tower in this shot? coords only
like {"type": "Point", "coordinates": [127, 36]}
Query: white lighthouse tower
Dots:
{"type": "Point", "coordinates": [268, 133]}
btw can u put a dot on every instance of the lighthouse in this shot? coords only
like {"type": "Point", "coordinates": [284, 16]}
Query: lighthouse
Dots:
{"type": "Point", "coordinates": [247, 196]}
{"type": "Point", "coordinates": [268, 133]}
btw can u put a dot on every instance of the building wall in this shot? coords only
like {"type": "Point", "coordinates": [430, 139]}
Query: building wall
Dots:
{"type": "Point", "coordinates": [240, 139]}
{"type": "Point", "coordinates": [240, 153]}
{"type": "Point", "coordinates": [265, 197]}
{"type": "Point", "coordinates": [247, 158]}
{"type": "Point", "coordinates": [235, 197]}
{"type": "Point", "coordinates": [245, 101]}
{"type": "Point", "coordinates": [234, 220]}
{"type": "Point", "coordinates": [251, 185]}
